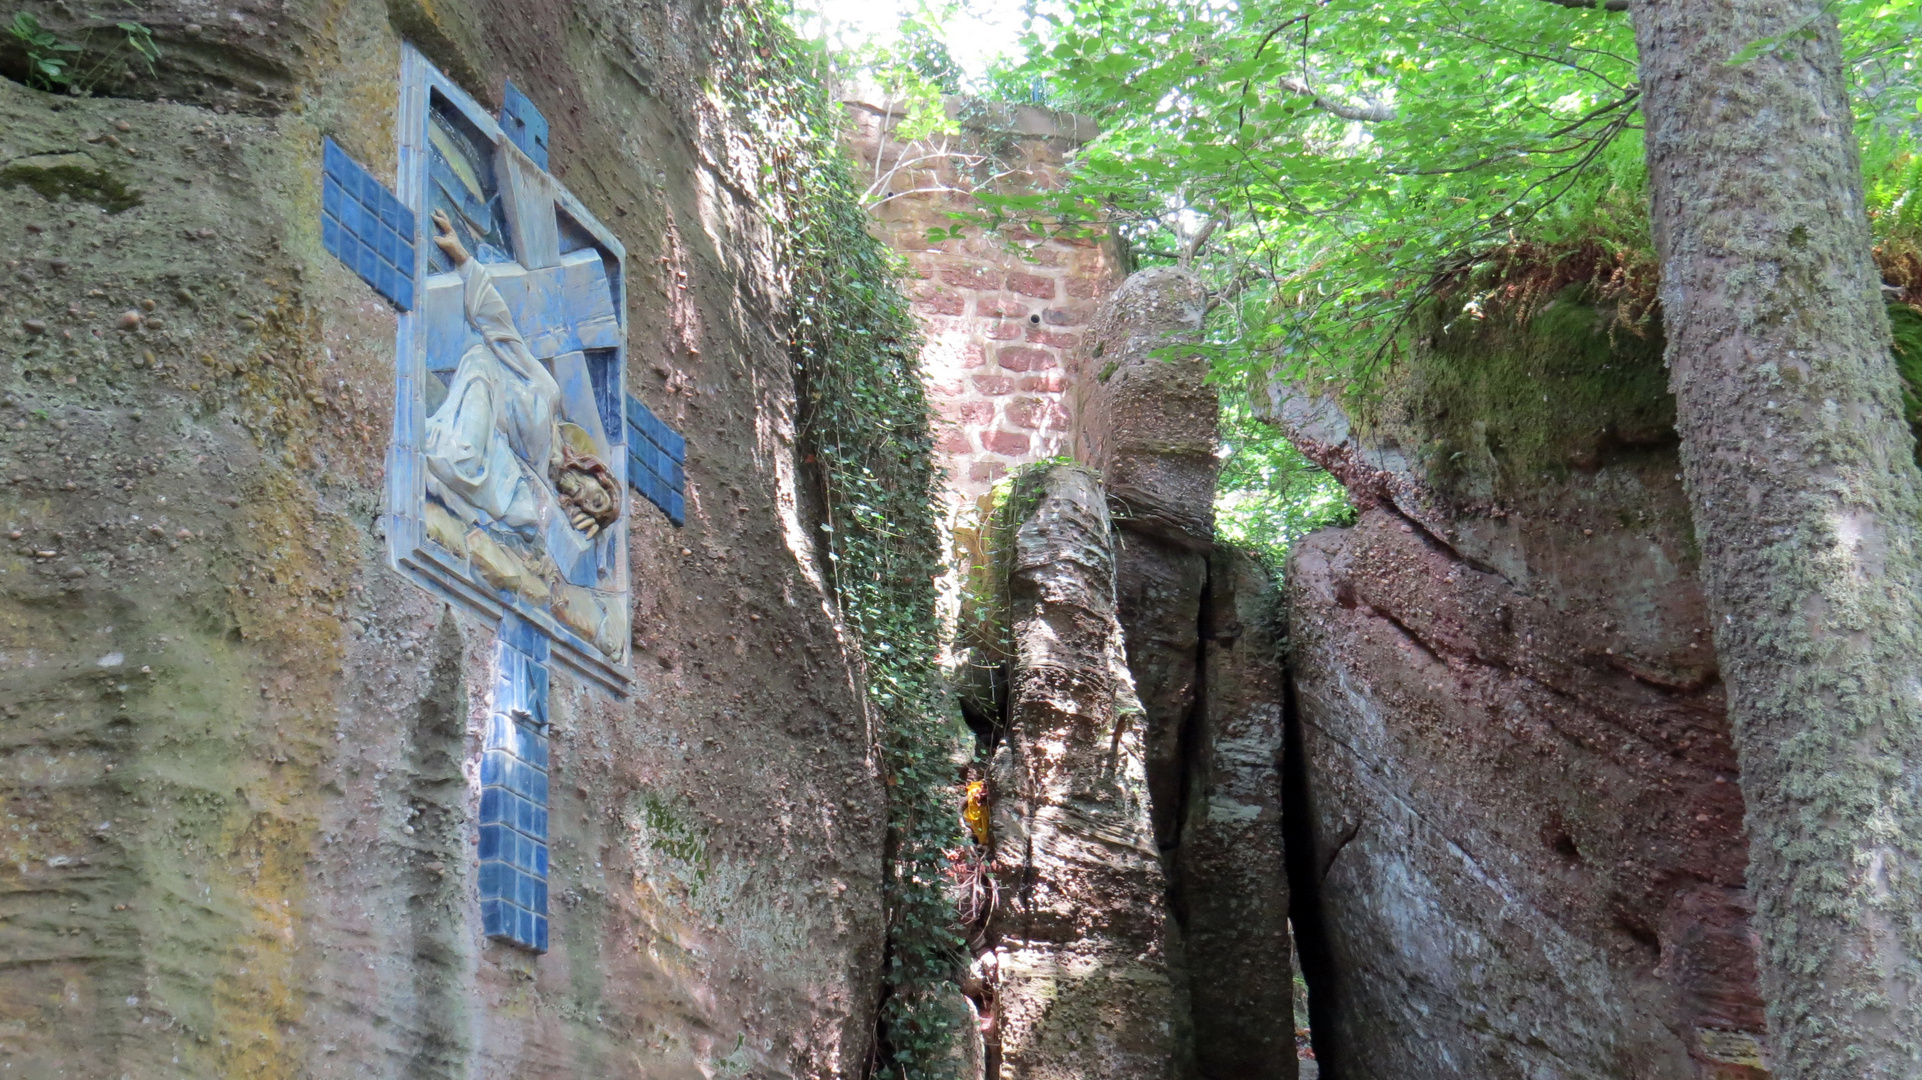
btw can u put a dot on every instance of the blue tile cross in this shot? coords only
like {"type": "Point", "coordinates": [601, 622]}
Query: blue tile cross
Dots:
{"type": "Point", "coordinates": [655, 456]}
{"type": "Point", "coordinates": [524, 124]}
{"type": "Point", "coordinates": [513, 806]}
{"type": "Point", "coordinates": [366, 226]}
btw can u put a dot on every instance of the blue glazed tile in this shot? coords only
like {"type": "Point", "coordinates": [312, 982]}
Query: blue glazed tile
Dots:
{"type": "Point", "coordinates": [676, 508]}
{"type": "Point", "coordinates": [489, 878]}
{"type": "Point", "coordinates": [524, 124]}
{"type": "Point", "coordinates": [490, 807]}
{"type": "Point", "coordinates": [519, 634]}
{"type": "Point", "coordinates": [494, 918]}
{"type": "Point", "coordinates": [540, 859]}
{"type": "Point", "coordinates": [372, 232]}
{"type": "Point", "coordinates": [490, 841]}
{"type": "Point", "coordinates": [540, 933]}
{"type": "Point", "coordinates": [540, 897]}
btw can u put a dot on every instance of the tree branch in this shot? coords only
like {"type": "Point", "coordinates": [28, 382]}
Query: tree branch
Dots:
{"type": "Point", "coordinates": [1368, 112]}
{"type": "Point", "coordinates": [1591, 5]}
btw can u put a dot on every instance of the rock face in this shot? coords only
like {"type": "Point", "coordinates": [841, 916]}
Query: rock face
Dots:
{"type": "Point", "coordinates": [1526, 825]}
{"type": "Point", "coordinates": [1202, 642]}
{"type": "Point", "coordinates": [1230, 880]}
{"type": "Point", "coordinates": [238, 780]}
{"type": "Point", "coordinates": [1080, 957]}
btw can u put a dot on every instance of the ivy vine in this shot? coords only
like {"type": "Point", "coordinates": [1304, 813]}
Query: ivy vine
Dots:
{"type": "Point", "coordinates": [866, 428]}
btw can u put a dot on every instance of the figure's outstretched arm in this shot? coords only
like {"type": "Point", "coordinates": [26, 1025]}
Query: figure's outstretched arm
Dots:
{"type": "Point", "coordinates": [447, 240]}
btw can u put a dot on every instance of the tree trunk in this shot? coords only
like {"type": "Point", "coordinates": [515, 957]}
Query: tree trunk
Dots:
{"type": "Point", "coordinates": [1805, 501]}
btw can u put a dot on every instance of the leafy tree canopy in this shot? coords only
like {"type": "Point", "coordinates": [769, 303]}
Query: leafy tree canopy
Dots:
{"type": "Point", "coordinates": [1329, 164]}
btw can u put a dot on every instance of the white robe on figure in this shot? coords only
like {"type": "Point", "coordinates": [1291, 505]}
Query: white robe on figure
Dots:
{"type": "Point", "coordinates": [488, 444]}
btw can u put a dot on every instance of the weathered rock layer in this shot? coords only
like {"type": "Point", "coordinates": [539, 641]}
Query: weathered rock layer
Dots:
{"type": "Point", "coordinates": [1523, 804]}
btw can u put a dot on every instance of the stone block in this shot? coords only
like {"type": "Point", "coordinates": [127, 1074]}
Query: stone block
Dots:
{"type": "Point", "coordinates": [978, 278]}
{"type": "Point", "coordinates": [1052, 383]}
{"type": "Point", "coordinates": [942, 303]}
{"type": "Point", "coordinates": [1041, 288]}
{"type": "Point", "coordinates": [1005, 330]}
{"type": "Point", "coordinates": [993, 385]}
{"type": "Point", "coordinates": [1025, 358]}
{"type": "Point", "coordinates": [1087, 288]}
{"type": "Point", "coordinates": [1009, 443]}
{"type": "Point", "coordinates": [1055, 338]}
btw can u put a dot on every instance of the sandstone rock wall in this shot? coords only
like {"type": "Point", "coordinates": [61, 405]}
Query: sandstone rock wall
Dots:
{"type": "Point", "coordinates": [1522, 800]}
{"type": "Point", "coordinates": [237, 785]}
{"type": "Point", "coordinates": [1079, 945]}
{"type": "Point", "coordinates": [1203, 645]}
{"type": "Point", "coordinates": [1003, 312]}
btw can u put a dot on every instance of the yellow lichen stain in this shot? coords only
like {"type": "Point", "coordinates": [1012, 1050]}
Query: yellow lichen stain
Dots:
{"type": "Point", "coordinates": [255, 1001]}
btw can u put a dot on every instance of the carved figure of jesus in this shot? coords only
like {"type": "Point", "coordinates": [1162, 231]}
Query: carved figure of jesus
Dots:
{"type": "Point", "coordinates": [496, 444]}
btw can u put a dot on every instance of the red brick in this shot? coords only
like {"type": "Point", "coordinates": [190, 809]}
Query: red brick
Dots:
{"type": "Point", "coordinates": [1067, 314]}
{"type": "Point", "coordinates": [1047, 384]}
{"type": "Point", "coordinates": [994, 385]}
{"type": "Point", "coordinates": [954, 441]}
{"type": "Point", "coordinates": [1022, 358]}
{"type": "Point", "coordinates": [1086, 288]}
{"type": "Point", "coordinates": [987, 470]}
{"type": "Point", "coordinates": [1006, 330]}
{"type": "Point", "coordinates": [973, 277]}
{"type": "Point", "coordinates": [974, 354]}
{"type": "Point", "coordinates": [1041, 288]}
{"type": "Point", "coordinates": [943, 303]}
{"type": "Point", "coordinates": [1053, 337]}
{"type": "Point", "coordinates": [1011, 443]}
{"type": "Point", "coordinates": [976, 412]}
{"type": "Point", "coordinates": [999, 307]}
{"type": "Point", "coordinates": [1025, 413]}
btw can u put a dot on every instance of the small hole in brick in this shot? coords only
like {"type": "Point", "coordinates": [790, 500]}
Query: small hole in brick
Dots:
{"type": "Point", "coordinates": [1034, 318]}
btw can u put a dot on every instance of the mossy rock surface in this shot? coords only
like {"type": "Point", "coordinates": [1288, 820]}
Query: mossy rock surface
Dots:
{"type": "Point", "coordinates": [1496, 406]}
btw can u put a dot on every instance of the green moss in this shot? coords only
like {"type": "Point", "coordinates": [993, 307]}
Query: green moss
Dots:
{"type": "Point", "coordinates": [75, 177]}
{"type": "Point", "coordinates": [1489, 406]}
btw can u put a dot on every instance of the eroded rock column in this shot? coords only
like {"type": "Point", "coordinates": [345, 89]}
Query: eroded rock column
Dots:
{"type": "Point", "coordinates": [1202, 644]}
{"type": "Point", "coordinates": [1083, 983]}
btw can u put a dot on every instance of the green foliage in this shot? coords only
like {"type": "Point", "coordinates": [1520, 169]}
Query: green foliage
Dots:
{"type": "Point", "coordinates": [866, 427]}
{"type": "Point", "coordinates": [51, 61]}
{"type": "Point", "coordinates": [1358, 158]}
{"type": "Point", "coordinates": [1269, 494]}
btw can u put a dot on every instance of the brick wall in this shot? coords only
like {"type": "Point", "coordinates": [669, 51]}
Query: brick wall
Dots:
{"type": "Point", "coordinates": [1003, 312]}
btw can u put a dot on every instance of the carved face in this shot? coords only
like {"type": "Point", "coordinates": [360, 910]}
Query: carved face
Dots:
{"type": "Point", "coordinates": [588, 493]}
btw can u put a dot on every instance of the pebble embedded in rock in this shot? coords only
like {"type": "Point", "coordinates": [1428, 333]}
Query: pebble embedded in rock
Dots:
{"type": "Point", "coordinates": [148, 304]}
{"type": "Point", "coordinates": [122, 125]}
{"type": "Point", "coordinates": [130, 320]}
{"type": "Point", "coordinates": [35, 326]}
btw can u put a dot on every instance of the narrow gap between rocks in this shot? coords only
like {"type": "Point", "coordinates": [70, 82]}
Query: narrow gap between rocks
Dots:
{"type": "Point", "coordinates": [1312, 948]}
